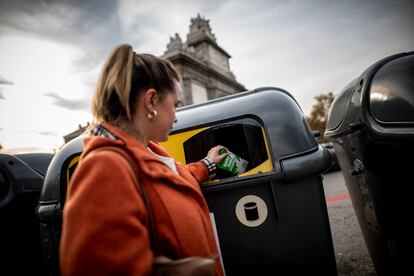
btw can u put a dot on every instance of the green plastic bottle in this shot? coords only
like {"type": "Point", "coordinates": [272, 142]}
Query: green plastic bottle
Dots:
{"type": "Point", "coordinates": [232, 163]}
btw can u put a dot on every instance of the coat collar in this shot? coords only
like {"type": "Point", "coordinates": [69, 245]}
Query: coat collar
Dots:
{"type": "Point", "coordinates": [148, 163]}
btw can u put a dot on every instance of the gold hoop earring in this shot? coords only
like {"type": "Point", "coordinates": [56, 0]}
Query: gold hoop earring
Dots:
{"type": "Point", "coordinates": [151, 115]}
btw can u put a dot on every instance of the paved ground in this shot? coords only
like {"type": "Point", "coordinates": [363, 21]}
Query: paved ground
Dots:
{"type": "Point", "coordinates": [352, 257]}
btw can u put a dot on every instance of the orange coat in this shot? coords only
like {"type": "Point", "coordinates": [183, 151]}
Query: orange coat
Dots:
{"type": "Point", "coordinates": [105, 219]}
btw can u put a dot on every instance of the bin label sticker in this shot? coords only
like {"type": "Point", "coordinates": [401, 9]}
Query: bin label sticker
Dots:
{"type": "Point", "coordinates": [251, 210]}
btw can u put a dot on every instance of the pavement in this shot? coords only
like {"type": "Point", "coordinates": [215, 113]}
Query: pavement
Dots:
{"type": "Point", "coordinates": [351, 253]}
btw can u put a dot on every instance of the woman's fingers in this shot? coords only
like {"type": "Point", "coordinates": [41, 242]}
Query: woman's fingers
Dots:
{"type": "Point", "coordinates": [214, 154]}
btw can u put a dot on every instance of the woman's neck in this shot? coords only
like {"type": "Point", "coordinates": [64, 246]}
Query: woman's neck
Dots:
{"type": "Point", "coordinates": [129, 128]}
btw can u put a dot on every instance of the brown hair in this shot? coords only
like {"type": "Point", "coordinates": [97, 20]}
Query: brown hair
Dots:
{"type": "Point", "coordinates": [126, 74]}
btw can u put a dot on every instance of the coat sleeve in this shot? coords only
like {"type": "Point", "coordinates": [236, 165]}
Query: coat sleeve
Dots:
{"type": "Point", "coordinates": [104, 220]}
{"type": "Point", "coordinates": [198, 170]}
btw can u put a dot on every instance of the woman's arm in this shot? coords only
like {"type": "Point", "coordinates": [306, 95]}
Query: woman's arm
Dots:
{"type": "Point", "coordinates": [206, 168]}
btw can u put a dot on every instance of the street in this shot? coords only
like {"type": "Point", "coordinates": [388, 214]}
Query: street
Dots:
{"type": "Point", "coordinates": [352, 257]}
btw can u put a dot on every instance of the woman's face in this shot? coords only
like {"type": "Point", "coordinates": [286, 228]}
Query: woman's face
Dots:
{"type": "Point", "coordinates": [165, 118]}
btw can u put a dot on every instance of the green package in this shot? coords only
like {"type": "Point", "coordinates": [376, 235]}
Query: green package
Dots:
{"type": "Point", "coordinates": [232, 163]}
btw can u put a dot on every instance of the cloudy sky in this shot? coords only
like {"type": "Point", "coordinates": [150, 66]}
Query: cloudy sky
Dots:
{"type": "Point", "coordinates": [51, 51]}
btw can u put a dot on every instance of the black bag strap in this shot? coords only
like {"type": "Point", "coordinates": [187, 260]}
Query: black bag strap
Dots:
{"type": "Point", "coordinates": [142, 189]}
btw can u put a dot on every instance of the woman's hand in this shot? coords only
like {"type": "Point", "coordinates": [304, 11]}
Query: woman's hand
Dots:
{"type": "Point", "coordinates": [214, 156]}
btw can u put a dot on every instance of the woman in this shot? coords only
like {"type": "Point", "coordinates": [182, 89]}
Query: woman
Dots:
{"type": "Point", "coordinates": [105, 220]}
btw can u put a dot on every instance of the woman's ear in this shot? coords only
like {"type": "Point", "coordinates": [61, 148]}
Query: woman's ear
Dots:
{"type": "Point", "coordinates": [150, 99]}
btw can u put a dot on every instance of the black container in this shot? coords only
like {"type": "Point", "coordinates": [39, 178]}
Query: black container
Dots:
{"type": "Point", "coordinates": [52, 200]}
{"type": "Point", "coordinates": [371, 123]}
{"type": "Point", "coordinates": [21, 180]}
{"type": "Point", "coordinates": [272, 219]}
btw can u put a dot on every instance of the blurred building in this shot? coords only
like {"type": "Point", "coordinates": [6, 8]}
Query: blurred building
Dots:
{"type": "Point", "coordinates": [203, 64]}
{"type": "Point", "coordinates": [81, 129]}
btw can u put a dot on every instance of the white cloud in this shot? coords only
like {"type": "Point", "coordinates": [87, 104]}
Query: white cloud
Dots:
{"type": "Point", "coordinates": [77, 104]}
{"type": "Point", "coordinates": [309, 47]}
{"type": "Point", "coordinates": [149, 24]}
{"type": "Point", "coordinates": [38, 66]}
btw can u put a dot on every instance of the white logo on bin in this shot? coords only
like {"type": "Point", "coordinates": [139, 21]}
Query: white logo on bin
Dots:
{"type": "Point", "coordinates": [251, 210]}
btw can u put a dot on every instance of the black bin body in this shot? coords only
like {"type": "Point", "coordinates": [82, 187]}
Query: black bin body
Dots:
{"type": "Point", "coordinates": [21, 180]}
{"type": "Point", "coordinates": [371, 124]}
{"type": "Point", "coordinates": [52, 200]}
{"type": "Point", "coordinates": [271, 221]}
{"type": "Point", "coordinates": [283, 181]}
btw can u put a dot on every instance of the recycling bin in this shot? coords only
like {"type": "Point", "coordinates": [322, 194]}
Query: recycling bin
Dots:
{"type": "Point", "coordinates": [269, 220]}
{"type": "Point", "coordinates": [52, 199]}
{"type": "Point", "coordinates": [371, 123]}
{"type": "Point", "coordinates": [21, 180]}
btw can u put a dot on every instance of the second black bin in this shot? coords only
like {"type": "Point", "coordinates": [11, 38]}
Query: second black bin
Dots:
{"type": "Point", "coordinates": [21, 180]}
{"type": "Point", "coordinates": [371, 124]}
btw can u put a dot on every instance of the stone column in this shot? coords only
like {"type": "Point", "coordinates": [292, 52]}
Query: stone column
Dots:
{"type": "Point", "coordinates": [187, 97]}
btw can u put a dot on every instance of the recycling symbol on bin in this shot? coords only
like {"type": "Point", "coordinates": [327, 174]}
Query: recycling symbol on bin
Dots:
{"type": "Point", "coordinates": [251, 210]}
